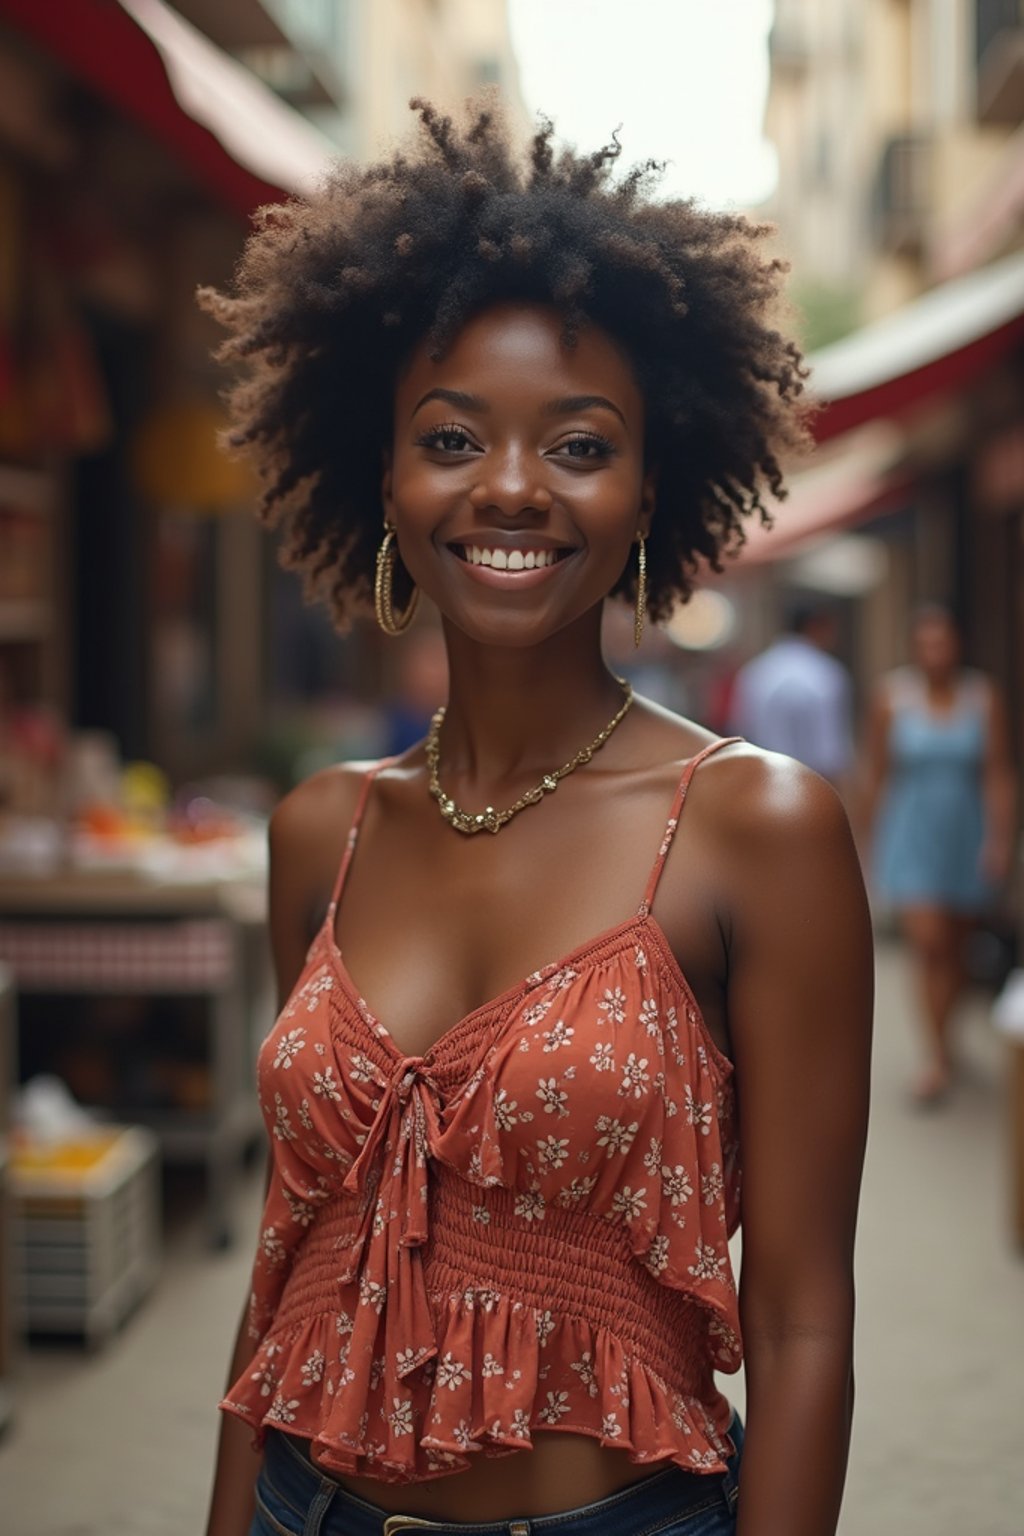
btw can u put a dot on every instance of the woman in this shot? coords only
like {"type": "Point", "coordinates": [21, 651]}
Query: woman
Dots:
{"type": "Point", "coordinates": [498, 1206]}
{"type": "Point", "coordinates": [940, 769]}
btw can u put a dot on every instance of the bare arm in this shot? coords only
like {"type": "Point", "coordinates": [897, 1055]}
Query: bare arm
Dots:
{"type": "Point", "coordinates": [999, 789]}
{"type": "Point", "coordinates": [296, 830]}
{"type": "Point", "coordinates": [800, 994]}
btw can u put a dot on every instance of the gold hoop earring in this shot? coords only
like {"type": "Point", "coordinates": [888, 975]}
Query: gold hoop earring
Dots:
{"type": "Point", "coordinates": [641, 590]}
{"type": "Point", "coordinates": [390, 622]}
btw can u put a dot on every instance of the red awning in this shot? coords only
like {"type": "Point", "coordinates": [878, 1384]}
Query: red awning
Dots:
{"type": "Point", "coordinates": [236, 137]}
{"type": "Point", "coordinates": [932, 346]}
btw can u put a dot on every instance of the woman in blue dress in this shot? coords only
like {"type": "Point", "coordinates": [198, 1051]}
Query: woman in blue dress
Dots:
{"type": "Point", "coordinates": [942, 786]}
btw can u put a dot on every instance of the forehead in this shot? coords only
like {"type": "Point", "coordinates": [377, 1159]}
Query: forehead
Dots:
{"type": "Point", "coordinates": [518, 350]}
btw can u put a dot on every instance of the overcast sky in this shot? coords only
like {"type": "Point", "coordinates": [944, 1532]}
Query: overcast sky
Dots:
{"type": "Point", "coordinates": [685, 78]}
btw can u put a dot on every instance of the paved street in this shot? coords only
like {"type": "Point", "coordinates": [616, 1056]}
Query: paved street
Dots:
{"type": "Point", "coordinates": [120, 1444]}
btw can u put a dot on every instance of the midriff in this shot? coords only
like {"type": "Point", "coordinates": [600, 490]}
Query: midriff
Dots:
{"type": "Point", "coordinates": [561, 1471]}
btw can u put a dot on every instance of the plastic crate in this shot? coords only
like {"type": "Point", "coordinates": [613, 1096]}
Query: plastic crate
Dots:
{"type": "Point", "coordinates": [86, 1230]}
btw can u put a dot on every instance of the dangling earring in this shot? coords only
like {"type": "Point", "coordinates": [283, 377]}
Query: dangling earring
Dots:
{"type": "Point", "coordinates": [641, 590]}
{"type": "Point", "coordinates": [390, 622]}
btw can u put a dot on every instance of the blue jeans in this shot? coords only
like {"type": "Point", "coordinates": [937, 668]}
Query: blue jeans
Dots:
{"type": "Point", "coordinates": [293, 1498]}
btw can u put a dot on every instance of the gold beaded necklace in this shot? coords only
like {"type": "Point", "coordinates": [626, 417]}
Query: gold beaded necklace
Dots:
{"type": "Point", "coordinates": [490, 820]}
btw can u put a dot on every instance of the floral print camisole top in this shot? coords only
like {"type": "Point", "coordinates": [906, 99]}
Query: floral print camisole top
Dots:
{"type": "Point", "coordinates": [524, 1230]}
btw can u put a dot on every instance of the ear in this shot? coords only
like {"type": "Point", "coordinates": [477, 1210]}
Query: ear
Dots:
{"type": "Point", "coordinates": [387, 487]}
{"type": "Point", "coordinates": [648, 501]}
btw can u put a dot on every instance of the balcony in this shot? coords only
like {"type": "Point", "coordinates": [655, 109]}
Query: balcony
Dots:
{"type": "Point", "coordinates": [999, 58]}
{"type": "Point", "coordinates": [901, 199]}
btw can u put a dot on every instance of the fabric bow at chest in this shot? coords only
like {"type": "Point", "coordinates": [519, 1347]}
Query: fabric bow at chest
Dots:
{"type": "Point", "coordinates": [390, 1327]}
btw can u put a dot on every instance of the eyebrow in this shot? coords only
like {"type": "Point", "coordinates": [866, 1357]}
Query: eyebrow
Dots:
{"type": "Point", "coordinates": [457, 397]}
{"type": "Point", "coordinates": [564, 407]}
{"type": "Point", "coordinates": [573, 403]}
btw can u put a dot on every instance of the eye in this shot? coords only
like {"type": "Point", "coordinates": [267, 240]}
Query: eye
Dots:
{"type": "Point", "coordinates": [447, 438]}
{"type": "Point", "coordinates": [586, 445]}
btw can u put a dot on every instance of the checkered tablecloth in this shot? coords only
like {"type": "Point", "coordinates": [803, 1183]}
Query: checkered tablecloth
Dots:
{"type": "Point", "coordinates": [195, 955]}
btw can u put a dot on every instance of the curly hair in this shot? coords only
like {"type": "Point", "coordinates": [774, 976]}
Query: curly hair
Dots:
{"type": "Point", "coordinates": [332, 294]}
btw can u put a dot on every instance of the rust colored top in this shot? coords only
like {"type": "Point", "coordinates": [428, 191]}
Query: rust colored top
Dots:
{"type": "Point", "coordinates": [524, 1230]}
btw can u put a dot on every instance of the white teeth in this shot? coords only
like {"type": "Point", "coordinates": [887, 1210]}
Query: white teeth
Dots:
{"type": "Point", "coordinates": [510, 559]}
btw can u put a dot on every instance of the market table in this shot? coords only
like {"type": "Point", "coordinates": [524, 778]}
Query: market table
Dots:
{"type": "Point", "coordinates": [94, 933]}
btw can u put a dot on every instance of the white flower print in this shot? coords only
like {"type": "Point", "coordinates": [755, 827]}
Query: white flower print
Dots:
{"type": "Point", "coordinates": [305, 1118]}
{"type": "Point", "coordinates": [649, 1015]}
{"type": "Point", "coordinates": [313, 1368]}
{"type": "Point", "coordinates": [559, 1034]}
{"type": "Point", "coordinates": [610, 1427]}
{"type": "Point", "coordinates": [676, 1184]}
{"type": "Point", "coordinates": [314, 988]}
{"type": "Point", "coordinates": [283, 1128]}
{"type": "Point", "coordinates": [551, 1096]}
{"type": "Point", "coordinates": [703, 1458]}
{"type": "Point", "coordinates": [400, 1417]}
{"type": "Point", "coordinates": [652, 1157]}
{"type": "Point", "coordinates": [602, 1058]}
{"type": "Point", "coordinates": [503, 1107]}
{"type": "Point", "coordinates": [282, 1412]}
{"type": "Point", "coordinates": [553, 1153]}
{"type": "Point", "coordinates": [491, 1367]}
{"type": "Point", "coordinates": [302, 1210]}
{"type": "Point", "coordinates": [562, 979]}
{"type": "Point", "coordinates": [628, 1203]}
{"type": "Point", "coordinates": [325, 1085]}
{"type": "Point", "coordinates": [289, 1046]}
{"type": "Point", "coordinates": [584, 1368]}
{"type": "Point", "coordinates": [709, 1265]}
{"type": "Point", "coordinates": [530, 1205]}
{"type": "Point", "coordinates": [481, 1214]}
{"type": "Point", "coordinates": [363, 1069]}
{"type": "Point", "coordinates": [545, 1326]}
{"type": "Point", "coordinates": [555, 1409]}
{"type": "Point", "coordinates": [640, 958]}
{"type": "Point", "coordinates": [461, 1436]}
{"type": "Point", "coordinates": [521, 1424]}
{"type": "Point", "coordinates": [267, 1376]}
{"type": "Point", "coordinates": [537, 1012]}
{"type": "Point", "coordinates": [615, 1136]}
{"type": "Point", "coordinates": [372, 1294]}
{"type": "Point", "coordinates": [635, 1076]}
{"type": "Point", "coordinates": [271, 1245]}
{"type": "Point", "coordinates": [613, 1005]}
{"type": "Point", "coordinates": [344, 1323]}
{"type": "Point", "coordinates": [451, 1373]}
{"type": "Point", "coordinates": [698, 1111]}
{"type": "Point", "coordinates": [656, 1257]}
{"type": "Point", "coordinates": [579, 1189]}
{"type": "Point", "coordinates": [711, 1184]}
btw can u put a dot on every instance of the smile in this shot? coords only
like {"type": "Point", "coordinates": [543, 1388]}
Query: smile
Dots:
{"type": "Point", "coordinates": [509, 559]}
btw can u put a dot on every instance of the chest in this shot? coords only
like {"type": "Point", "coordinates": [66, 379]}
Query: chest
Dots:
{"type": "Point", "coordinates": [434, 928]}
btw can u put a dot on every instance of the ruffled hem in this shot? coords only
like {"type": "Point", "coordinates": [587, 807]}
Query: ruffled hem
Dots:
{"type": "Point", "coordinates": [425, 1416]}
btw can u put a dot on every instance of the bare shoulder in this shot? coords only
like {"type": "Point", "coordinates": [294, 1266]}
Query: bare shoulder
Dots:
{"type": "Point", "coordinates": [326, 799]}
{"type": "Point", "coordinates": [764, 803]}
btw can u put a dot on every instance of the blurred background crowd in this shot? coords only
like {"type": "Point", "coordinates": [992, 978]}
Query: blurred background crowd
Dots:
{"type": "Point", "coordinates": [162, 681]}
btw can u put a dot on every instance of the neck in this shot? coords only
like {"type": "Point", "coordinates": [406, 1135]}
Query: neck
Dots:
{"type": "Point", "coordinates": [517, 713]}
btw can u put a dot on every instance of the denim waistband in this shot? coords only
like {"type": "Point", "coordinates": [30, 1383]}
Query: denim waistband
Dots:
{"type": "Point", "coordinates": [323, 1507]}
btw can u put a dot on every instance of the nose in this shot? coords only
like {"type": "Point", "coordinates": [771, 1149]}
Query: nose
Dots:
{"type": "Point", "coordinates": [509, 485]}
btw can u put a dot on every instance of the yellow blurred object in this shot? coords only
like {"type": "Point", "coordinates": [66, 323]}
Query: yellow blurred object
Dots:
{"type": "Point", "coordinates": [178, 462]}
{"type": "Point", "coordinates": [64, 1159]}
{"type": "Point", "coordinates": [144, 791]}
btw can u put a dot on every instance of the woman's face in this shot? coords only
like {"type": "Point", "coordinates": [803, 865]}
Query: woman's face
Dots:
{"type": "Point", "coordinates": [936, 646]}
{"type": "Point", "coordinates": [517, 481]}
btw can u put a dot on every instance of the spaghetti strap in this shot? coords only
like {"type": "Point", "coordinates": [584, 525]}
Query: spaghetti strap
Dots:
{"type": "Point", "coordinates": [673, 820]}
{"type": "Point", "coordinates": [353, 832]}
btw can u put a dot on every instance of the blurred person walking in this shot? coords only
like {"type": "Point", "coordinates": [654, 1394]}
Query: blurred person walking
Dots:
{"type": "Point", "coordinates": [940, 816]}
{"type": "Point", "coordinates": [493, 1283]}
{"type": "Point", "coordinates": [795, 697]}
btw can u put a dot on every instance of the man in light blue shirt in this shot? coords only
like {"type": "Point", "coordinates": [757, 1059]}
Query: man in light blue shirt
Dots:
{"type": "Point", "coordinates": [795, 698]}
